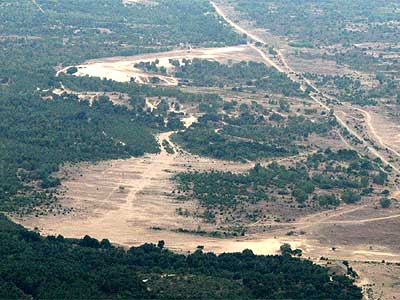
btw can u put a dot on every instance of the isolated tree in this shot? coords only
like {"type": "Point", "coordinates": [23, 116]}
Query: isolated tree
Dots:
{"type": "Point", "coordinates": [385, 202]}
{"type": "Point", "coordinates": [72, 70]}
{"type": "Point", "coordinates": [161, 244]}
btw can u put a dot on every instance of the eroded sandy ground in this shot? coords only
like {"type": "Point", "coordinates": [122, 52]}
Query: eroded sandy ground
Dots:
{"type": "Point", "coordinates": [129, 201]}
{"type": "Point", "coordinates": [125, 200]}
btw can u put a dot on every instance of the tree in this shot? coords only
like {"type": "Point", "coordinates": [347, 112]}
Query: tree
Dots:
{"type": "Point", "coordinates": [72, 70]}
{"type": "Point", "coordinates": [380, 178]}
{"type": "Point", "coordinates": [300, 195]}
{"type": "Point", "coordinates": [161, 244]}
{"type": "Point", "coordinates": [350, 197]}
{"type": "Point", "coordinates": [105, 244]}
{"type": "Point", "coordinates": [286, 249]}
{"type": "Point", "coordinates": [89, 242]}
{"type": "Point", "coordinates": [385, 202]}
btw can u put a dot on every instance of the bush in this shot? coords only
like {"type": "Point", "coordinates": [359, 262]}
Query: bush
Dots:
{"type": "Point", "coordinates": [350, 197]}
{"type": "Point", "coordinates": [72, 70]}
{"type": "Point", "coordinates": [385, 202]}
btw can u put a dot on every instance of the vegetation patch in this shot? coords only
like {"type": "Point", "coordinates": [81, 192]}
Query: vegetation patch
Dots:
{"type": "Point", "coordinates": [57, 268]}
{"type": "Point", "coordinates": [324, 180]}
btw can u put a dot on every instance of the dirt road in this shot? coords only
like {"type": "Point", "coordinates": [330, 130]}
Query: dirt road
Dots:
{"type": "Point", "coordinates": [284, 67]}
{"type": "Point", "coordinates": [373, 131]}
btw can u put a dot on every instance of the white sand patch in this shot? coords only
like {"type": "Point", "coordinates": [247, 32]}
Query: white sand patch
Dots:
{"type": "Point", "coordinates": [189, 121]}
{"type": "Point", "coordinates": [122, 68]}
{"type": "Point", "coordinates": [150, 105]}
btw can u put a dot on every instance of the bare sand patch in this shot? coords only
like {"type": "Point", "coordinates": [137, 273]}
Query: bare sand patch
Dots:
{"type": "Point", "coordinates": [122, 68]}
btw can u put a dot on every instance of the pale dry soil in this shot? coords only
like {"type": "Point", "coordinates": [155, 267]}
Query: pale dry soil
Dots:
{"type": "Point", "coordinates": [380, 281]}
{"type": "Point", "coordinates": [143, 2]}
{"type": "Point", "coordinates": [122, 68]}
{"type": "Point", "coordinates": [379, 125]}
{"type": "Point", "coordinates": [125, 200]}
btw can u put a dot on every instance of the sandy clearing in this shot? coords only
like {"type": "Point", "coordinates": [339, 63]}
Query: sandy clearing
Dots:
{"type": "Point", "coordinates": [122, 68]}
{"type": "Point", "coordinates": [144, 2]}
{"type": "Point", "coordinates": [379, 281]}
{"type": "Point", "coordinates": [189, 121]}
{"type": "Point", "coordinates": [124, 199]}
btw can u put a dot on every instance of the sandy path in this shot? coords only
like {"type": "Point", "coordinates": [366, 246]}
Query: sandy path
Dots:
{"type": "Point", "coordinates": [324, 222]}
{"type": "Point", "coordinates": [38, 6]}
{"type": "Point", "coordinates": [374, 132]}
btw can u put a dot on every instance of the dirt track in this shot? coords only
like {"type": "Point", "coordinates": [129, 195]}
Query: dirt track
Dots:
{"type": "Point", "coordinates": [38, 6]}
{"type": "Point", "coordinates": [282, 66]}
{"type": "Point", "coordinates": [375, 133]}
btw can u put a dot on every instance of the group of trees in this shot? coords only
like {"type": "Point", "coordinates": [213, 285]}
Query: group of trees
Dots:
{"type": "Point", "coordinates": [324, 180]}
{"type": "Point", "coordinates": [252, 135]}
{"type": "Point", "coordinates": [351, 90]}
{"type": "Point", "coordinates": [246, 73]}
{"type": "Point", "coordinates": [34, 267]}
{"type": "Point", "coordinates": [202, 72]}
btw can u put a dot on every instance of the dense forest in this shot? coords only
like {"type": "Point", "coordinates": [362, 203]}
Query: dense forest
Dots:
{"type": "Point", "coordinates": [34, 267]}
